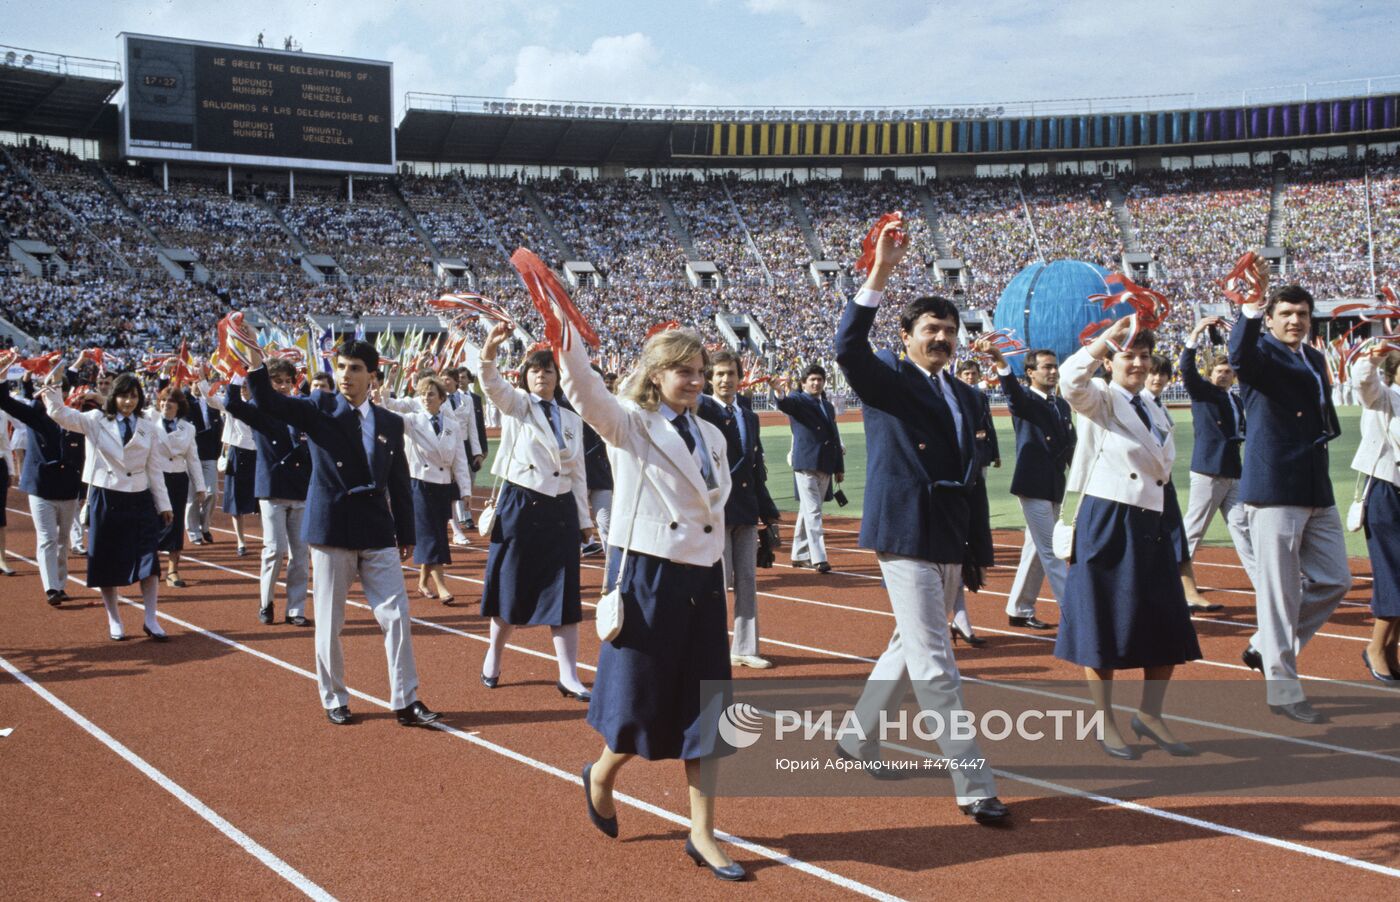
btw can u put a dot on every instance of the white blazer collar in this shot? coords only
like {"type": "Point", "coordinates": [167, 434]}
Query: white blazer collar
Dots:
{"type": "Point", "coordinates": [669, 441]}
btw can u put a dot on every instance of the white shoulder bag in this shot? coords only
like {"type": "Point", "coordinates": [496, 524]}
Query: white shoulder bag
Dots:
{"type": "Point", "coordinates": [1062, 539]}
{"type": "Point", "coordinates": [486, 521]}
{"type": "Point", "coordinates": [608, 616]}
{"type": "Point", "coordinates": [1356, 514]}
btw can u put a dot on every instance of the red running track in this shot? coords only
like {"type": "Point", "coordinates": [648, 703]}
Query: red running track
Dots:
{"type": "Point", "coordinates": [204, 766]}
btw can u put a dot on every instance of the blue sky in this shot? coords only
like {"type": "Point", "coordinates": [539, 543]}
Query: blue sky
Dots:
{"type": "Point", "coordinates": [775, 52]}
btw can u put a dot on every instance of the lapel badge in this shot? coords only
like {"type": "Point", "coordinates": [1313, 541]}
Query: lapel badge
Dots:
{"type": "Point", "coordinates": [381, 439]}
{"type": "Point", "coordinates": [568, 435]}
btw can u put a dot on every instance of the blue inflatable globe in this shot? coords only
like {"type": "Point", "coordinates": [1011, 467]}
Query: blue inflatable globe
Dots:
{"type": "Point", "coordinates": [1047, 305]}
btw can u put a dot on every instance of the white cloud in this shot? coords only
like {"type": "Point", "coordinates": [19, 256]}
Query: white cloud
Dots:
{"type": "Point", "coordinates": [622, 68]}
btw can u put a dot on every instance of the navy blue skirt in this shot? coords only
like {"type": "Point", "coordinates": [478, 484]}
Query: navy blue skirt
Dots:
{"type": "Point", "coordinates": [239, 477]}
{"type": "Point", "coordinates": [432, 508]}
{"type": "Point", "coordinates": [647, 697]}
{"type": "Point", "coordinates": [1176, 524]}
{"type": "Point", "coordinates": [123, 528]}
{"type": "Point", "coordinates": [172, 537]}
{"type": "Point", "coordinates": [1383, 543]}
{"type": "Point", "coordinates": [532, 566]}
{"type": "Point", "coordinates": [1123, 605]}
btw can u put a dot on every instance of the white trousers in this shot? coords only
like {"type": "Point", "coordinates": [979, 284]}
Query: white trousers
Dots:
{"type": "Point", "coordinates": [281, 528]}
{"type": "Point", "coordinates": [334, 570]}
{"type": "Point", "coordinates": [1302, 574]}
{"type": "Point", "coordinates": [741, 571]}
{"type": "Point", "coordinates": [53, 527]}
{"type": "Point", "coordinates": [920, 656]}
{"type": "Point", "coordinates": [600, 502]}
{"type": "Point", "coordinates": [1218, 493]}
{"type": "Point", "coordinates": [199, 518]}
{"type": "Point", "coordinates": [1038, 559]}
{"type": "Point", "coordinates": [808, 537]}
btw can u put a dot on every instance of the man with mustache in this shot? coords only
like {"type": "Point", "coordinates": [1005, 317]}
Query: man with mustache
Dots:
{"type": "Point", "coordinates": [1301, 570]}
{"type": "Point", "coordinates": [925, 514]}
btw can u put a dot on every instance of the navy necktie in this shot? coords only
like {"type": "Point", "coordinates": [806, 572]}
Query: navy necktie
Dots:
{"type": "Point", "coordinates": [681, 426]}
{"type": "Point", "coordinates": [452, 399]}
{"type": "Point", "coordinates": [1143, 415]}
{"type": "Point", "coordinates": [126, 428]}
{"type": "Point", "coordinates": [437, 424]}
{"type": "Point", "coordinates": [169, 425]}
{"type": "Point", "coordinates": [548, 408]}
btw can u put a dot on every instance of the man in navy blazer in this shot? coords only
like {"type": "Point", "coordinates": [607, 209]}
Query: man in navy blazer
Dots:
{"type": "Point", "coordinates": [817, 457]}
{"type": "Point", "coordinates": [747, 504]}
{"type": "Point", "coordinates": [280, 484]}
{"type": "Point", "coordinates": [358, 508]}
{"type": "Point", "coordinates": [1301, 570]}
{"type": "Point", "coordinates": [209, 442]}
{"type": "Point", "coordinates": [1218, 423]}
{"type": "Point", "coordinates": [925, 512]}
{"type": "Point", "coordinates": [1045, 441]}
{"type": "Point", "coordinates": [51, 476]}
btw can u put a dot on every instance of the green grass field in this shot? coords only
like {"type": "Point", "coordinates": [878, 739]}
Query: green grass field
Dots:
{"type": "Point", "coordinates": [1006, 513]}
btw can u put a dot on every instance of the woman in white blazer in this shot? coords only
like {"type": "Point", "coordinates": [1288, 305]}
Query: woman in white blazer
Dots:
{"type": "Point", "coordinates": [441, 476]}
{"type": "Point", "coordinates": [1373, 378]}
{"type": "Point", "coordinates": [671, 480]}
{"type": "Point", "coordinates": [1124, 606]}
{"type": "Point", "coordinates": [177, 457]}
{"type": "Point", "coordinates": [127, 500]}
{"type": "Point", "coordinates": [532, 566]}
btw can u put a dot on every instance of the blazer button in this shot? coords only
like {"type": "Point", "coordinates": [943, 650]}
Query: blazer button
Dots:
{"type": "Point", "coordinates": [709, 529]}
{"type": "Point", "coordinates": [743, 485]}
{"type": "Point", "coordinates": [337, 463]}
{"type": "Point", "coordinates": [1159, 482]}
{"type": "Point", "coordinates": [556, 472]}
{"type": "Point", "coordinates": [922, 446]}
{"type": "Point", "coordinates": [674, 524]}
{"type": "Point", "coordinates": [1132, 476]}
{"type": "Point", "coordinates": [532, 466]}
{"type": "Point", "coordinates": [1300, 413]}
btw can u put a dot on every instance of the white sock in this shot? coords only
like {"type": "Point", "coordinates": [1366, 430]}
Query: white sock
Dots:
{"type": "Point", "coordinates": [114, 620]}
{"type": "Point", "coordinates": [566, 653]}
{"type": "Point", "coordinates": [500, 634]}
{"type": "Point", "coordinates": [150, 588]}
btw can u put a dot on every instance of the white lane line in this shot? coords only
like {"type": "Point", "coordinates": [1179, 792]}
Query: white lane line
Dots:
{"type": "Point", "coordinates": [797, 864]}
{"type": "Point", "coordinates": [1008, 685]}
{"type": "Point", "coordinates": [288, 873]}
{"type": "Point", "coordinates": [1166, 814]}
{"type": "Point", "coordinates": [837, 879]}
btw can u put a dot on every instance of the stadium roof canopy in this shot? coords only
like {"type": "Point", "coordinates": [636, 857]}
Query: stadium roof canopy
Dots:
{"type": "Point", "coordinates": [448, 137]}
{"type": "Point", "coordinates": [49, 94]}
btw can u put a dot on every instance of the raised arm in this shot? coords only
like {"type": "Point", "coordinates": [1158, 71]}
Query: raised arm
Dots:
{"type": "Point", "coordinates": [590, 396]}
{"type": "Point", "coordinates": [21, 412]}
{"type": "Point", "coordinates": [1371, 391]}
{"type": "Point", "coordinates": [65, 416]}
{"type": "Point", "coordinates": [1081, 391]}
{"type": "Point", "coordinates": [299, 412]}
{"type": "Point", "coordinates": [873, 382]}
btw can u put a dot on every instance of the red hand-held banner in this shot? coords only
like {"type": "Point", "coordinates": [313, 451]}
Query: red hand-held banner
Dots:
{"type": "Point", "coordinates": [872, 238]}
{"type": "Point", "coordinates": [1241, 283]}
{"type": "Point", "coordinates": [467, 303]}
{"type": "Point", "coordinates": [1152, 307]}
{"type": "Point", "coordinates": [662, 327]}
{"type": "Point", "coordinates": [42, 365]}
{"type": "Point", "coordinates": [555, 306]}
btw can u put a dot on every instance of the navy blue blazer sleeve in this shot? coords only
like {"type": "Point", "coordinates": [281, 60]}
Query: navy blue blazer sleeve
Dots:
{"type": "Point", "coordinates": [1245, 355]}
{"type": "Point", "coordinates": [240, 409]}
{"type": "Point", "coordinates": [401, 498]}
{"type": "Point", "coordinates": [1197, 386]}
{"type": "Point", "coordinates": [303, 413]}
{"type": "Point", "coordinates": [876, 384]}
{"type": "Point", "coordinates": [1017, 399]}
{"type": "Point", "coordinates": [34, 418]}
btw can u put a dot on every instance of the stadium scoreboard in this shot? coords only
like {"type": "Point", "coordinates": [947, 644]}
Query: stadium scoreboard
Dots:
{"type": "Point", "coordinates": [226, 104]}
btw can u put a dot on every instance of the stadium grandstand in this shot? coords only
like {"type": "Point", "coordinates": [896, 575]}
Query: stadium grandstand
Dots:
{"type": "Point", "coordinates": [744, 223]}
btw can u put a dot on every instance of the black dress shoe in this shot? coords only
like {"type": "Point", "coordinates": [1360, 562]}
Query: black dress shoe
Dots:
{"type": "Point", "coordinates": [974, 640]}
{"type": "Point", "coordinates": [242, 550]}
{"type": "Point", "coordinates": [54, 597]}
{"type": "Point", "coordinates": [265, 615]}
{"type": "Point", "coordinates": [823, 567]}
{"type": "Point", "coordinates": [1303, 712]}
{"type": "Point", "coordinates": [417, 715]}
{"type": "Point", "coordinates": [1365, 657]}
{"type": "Point", "coordinates": [1029, 622]}
{"type": "Point", "coordinates": [608, 825]}
{"type": "Point", "coordinates": [154, 636]}
{"type": "Point", "coordinates": [339, 716]}
{"type": "Point", "coordinates": [298, 620]}
{"type": "Point", "coordinates": [732, 872]}
{"type": "Point", "coordinates": [208, 538]}
{"type": "Point", "coordinates": [1206, 608]}
{"type": "Point", "coordinates": [1252, 659]}
{"type": "Point", "coordinates": [1126, 753]}
{"type": "Point", "coordinates": [1175, 749]}
{"type": "Point", "coordinates": [584, 696]}
{"type": "Point", "coordinates": [987, 811]}
{"type": "Point", "coordinates": [490, 682]}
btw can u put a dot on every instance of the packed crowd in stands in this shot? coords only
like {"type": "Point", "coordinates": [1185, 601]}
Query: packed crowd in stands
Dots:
{"type": "Point", "coordinates": [761, 234]}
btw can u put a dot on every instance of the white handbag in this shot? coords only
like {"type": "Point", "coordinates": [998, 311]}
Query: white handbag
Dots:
{"type": "Point", "coordinates": [1356, 514]}
{"type": "Point", "coordinates": [607, 618]}
{"type": "Point", "coordinates": [1062, 539]}
{"type": "Point", "coordinates": [486, 520]}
